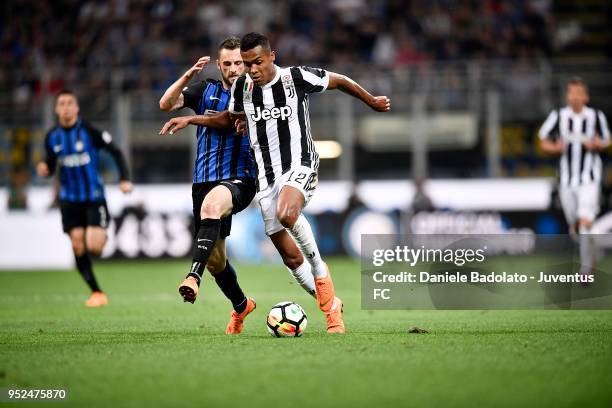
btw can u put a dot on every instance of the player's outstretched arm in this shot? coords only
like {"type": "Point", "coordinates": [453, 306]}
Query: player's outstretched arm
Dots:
{"type": "Point", "coordinates": [347, 85]}
{"type": "Point", "coordinates": [173, 98]}
{"type": "Point", "coordinates": [219, 120]}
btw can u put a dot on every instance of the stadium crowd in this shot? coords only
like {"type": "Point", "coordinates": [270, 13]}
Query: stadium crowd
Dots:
{"type": "Point", "coordinates": [153, 40]}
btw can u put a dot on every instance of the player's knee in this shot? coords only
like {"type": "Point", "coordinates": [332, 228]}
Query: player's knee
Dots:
{"type": "Point", "coordinates": [78, 247]}
{"type": "Point", "coordinates": [95, 250]}
{"type": "Point", "coordinates": [288, 218]}
{"type": "Point", "coordinates": [212, 209]}
{"type": "Point", "coordinates": [95, 244]}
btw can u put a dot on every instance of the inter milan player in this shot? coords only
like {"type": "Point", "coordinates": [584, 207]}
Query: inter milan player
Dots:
{"type": "Point", "coordinates": [73, 145]}
{"type": "Point", "coordinates": [578, 133]}
{"type": "Point", "coordinates": [223, 178]}
{"type": "Point", "coordinates": [274, 101]}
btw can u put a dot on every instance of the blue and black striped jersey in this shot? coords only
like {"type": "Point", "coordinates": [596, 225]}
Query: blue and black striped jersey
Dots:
{"type": "Point", "coordinates": [75, 150]}
{"type": "Point", "coordinates": [221, 153]}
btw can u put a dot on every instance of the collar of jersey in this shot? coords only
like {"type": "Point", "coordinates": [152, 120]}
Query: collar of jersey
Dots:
{"type": "Point", "coordinates": [577, 115]}
{"type": "Point", "coordinates": [274, 80]}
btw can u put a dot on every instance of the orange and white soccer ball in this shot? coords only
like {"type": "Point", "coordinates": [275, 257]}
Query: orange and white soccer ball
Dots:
{"type": "Point", "coordinates": [287, 319]}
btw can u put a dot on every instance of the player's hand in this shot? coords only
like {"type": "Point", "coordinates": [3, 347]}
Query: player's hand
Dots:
{"type": "Point", "coordinates": [595, 145]}
{"type": "Point", "coordinates": [175, 124]}
{"type": "Point", "coordinates": [126, 187]}
{"type": "Point", "coordinates": [241, 126]}
{"type": "Point", "coordinates": [560, 146]}
{"type": "Point", "coordinates": [380, 104]}
{"type": "Point", "coordinates": [197, 67]}
{"type": "Point", "coordinates": [42, 169]}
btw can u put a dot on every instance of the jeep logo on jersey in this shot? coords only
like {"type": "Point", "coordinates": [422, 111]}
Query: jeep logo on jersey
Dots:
{"type": "Point", "coordinates": [283, 113]}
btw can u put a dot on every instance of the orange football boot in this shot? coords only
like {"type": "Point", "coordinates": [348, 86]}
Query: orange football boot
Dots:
{"type": "Point", "coordinates": [325, 291]}
{"type": "Point", "coordinates": [189, 289]}
{"type": "Point", "coordinates": [335, 324]}
{"type": "Point", "coordinates": [97, 299]}
{"type": "Point", "coordinates": [236, 322]}
{"type": "Point", "coordinates": [329, 303]}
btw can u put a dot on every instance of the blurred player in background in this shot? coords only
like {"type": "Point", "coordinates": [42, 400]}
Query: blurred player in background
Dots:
{"type": "Point", "coordinates": [223, 178]}
{"type": "Point", "coordinates": [275, 103]}
{"type": "Point", "coordinates": [73, 144]}
{"type": "Point", "coordinates": [578, 133]}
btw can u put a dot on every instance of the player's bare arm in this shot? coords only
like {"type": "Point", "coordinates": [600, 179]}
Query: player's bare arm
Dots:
{"type": "Point", "coordinates": [348, 86]}
{"type": "Point", "coordinates": [552, 146]}
{"type": "Point", "coordinates": [173, 98]}
{"type": "Point", "coordinates": [46, 168]}
{"type": "Point", "coordinates": [219, 120]}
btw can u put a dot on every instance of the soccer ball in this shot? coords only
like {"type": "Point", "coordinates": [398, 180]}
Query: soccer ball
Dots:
{"type": "Point", "coordinates": [286, 319]}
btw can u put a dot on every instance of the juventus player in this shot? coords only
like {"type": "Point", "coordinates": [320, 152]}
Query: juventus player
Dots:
{"type": "Point", "coordinates": [578, 133]}
{"type": "Point", "coordinates": [274, 101]}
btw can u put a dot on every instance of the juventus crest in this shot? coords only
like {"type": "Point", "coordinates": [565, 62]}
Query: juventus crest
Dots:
{"type": "Point", "coordinates": [288, 85]}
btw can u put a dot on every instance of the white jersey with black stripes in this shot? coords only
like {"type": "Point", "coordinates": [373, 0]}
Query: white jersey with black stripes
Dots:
{"type": "Point", "coordinates": [278, 119]}
{"type": "Point", "coordinates": [577, 166]}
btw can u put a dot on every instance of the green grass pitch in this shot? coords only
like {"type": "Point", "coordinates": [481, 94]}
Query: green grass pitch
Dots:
{"type": "Point", "coordinates": [147, 348]}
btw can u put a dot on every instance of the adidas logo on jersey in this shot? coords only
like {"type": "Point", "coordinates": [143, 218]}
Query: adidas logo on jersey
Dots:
{"type": "Point", "coordinates": [283, 113]}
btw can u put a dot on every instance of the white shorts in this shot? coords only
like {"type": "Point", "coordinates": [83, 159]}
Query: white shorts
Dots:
{"type": "Point", "coordinates": [303, 178]}
{"type": "Point", "coordinates": [580, 202]}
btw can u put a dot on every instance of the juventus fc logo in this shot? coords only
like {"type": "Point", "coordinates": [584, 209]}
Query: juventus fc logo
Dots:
{"type": "Point", "coordinates": [291, 90]}
{"type": "Point", "coordinates": [283, 113]}
{"type": "Point", "coordinates": [288, 84]}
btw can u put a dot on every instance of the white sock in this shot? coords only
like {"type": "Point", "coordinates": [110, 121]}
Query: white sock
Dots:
{"type": "Point", "coordinates": [303, 275]}
{"type": "Point", "coordinates": [302, 233]}
{"type": "Point", "coordinates": [586, 250]}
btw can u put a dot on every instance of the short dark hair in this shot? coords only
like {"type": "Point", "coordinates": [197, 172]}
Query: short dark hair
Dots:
{"type": "Point", "coordinates": [65, 91]}
{"type": "Point", "coordinates": [252, 40]}
{"type": "Point", "coordinates": [576, 80]}
{"type": "Point", "coordinates": [230, 43]}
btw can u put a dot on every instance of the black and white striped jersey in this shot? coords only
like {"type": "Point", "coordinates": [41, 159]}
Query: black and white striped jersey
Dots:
{"type": "Point", "coordinates": [278, 119]}
{"type": "Point", "coordinates": [577, 165]}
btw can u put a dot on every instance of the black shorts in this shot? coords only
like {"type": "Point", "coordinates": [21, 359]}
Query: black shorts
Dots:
{"type": "Point", "coordinates": [242, 190]}
{"type": "Point", "coordinates": [85, 214]}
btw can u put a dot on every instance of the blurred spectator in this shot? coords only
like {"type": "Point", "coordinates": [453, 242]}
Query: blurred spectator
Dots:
{"type": "Point", "coordinates": [146, 34]}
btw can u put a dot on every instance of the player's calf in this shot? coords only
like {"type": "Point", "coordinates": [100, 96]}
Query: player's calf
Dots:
{"type": "Point", "coordinates": [77, 240]}
{"type": "Point", "coordinates": [289, 252]}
